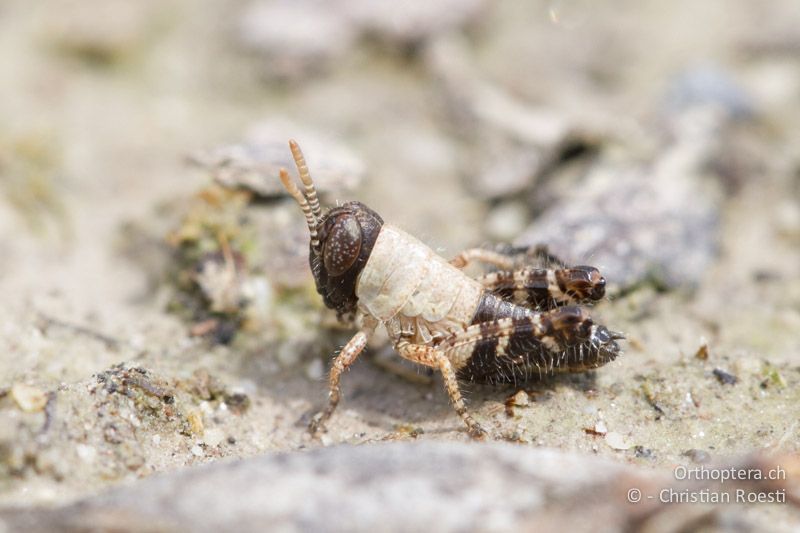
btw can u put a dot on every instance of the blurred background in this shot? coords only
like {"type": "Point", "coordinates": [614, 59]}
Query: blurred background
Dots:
{"type": "Point", "coordinates": [473, 104]}
{"type": "Point", "coordinates": [142, 223]}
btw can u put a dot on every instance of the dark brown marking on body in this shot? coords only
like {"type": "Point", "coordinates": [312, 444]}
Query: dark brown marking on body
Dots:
{"type": "Point", "coordinates": [569, 325]}
{"type": "Point", "coordinates": [584, 346]}
{"type": "Point", "coordinates": [534, 287]}
{"type": "Point", "coordinates": [581, 283]}
{"type": "Point", "coordinates": [561, 341]}
{"type": "Point", "coordinates": [538, 291]}
{"type": "Point", "coordinates": [485, 349]}
{"type": "Point", "coordinates": [522, 356]}
{"type": "Point", "coordinates": [524, 339]}
{"type": "Point", "coordinates": [514, 365]}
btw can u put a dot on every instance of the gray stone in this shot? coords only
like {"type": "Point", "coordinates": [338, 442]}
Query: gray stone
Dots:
{"type": "Point", "coordinates": [658, 221]}
{"type": "Point", "coordinates": [707, 86]}
{"type": "Point", "coordinates": [254, 163]}
{"type": "Point", "coordinates": [413, 21]}
{"type": "Point", "coordinates": [406, 486]}
{"type": "Point", "coordinates": [397, 486]}
{"type": "Point", "coordinates": [294, 39]}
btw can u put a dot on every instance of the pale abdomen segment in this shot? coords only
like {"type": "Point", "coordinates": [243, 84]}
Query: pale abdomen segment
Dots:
{"type": "Point", "coordinates": [407, 281]}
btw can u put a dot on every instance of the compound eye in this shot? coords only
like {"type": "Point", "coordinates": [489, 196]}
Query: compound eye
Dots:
{"type": "Point", "coordinates": [342, 246]}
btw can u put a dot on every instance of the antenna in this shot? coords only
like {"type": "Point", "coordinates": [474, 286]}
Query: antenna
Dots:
{"type": "Point", "coordinates": [305, 177]}
{"type": "Point", "coordinates": [311, 220]}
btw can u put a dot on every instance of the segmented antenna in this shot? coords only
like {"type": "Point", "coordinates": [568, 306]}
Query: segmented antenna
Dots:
{"type": "Point", "coordinates": [305, 177]}
{"type": "Point", "coordinates": [311, 220]}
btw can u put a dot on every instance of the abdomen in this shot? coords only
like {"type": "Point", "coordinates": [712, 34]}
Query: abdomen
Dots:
{"type": "Point", "coordinates": [511, 343]}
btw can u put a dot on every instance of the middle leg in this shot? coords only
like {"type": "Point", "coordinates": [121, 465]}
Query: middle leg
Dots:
{"type": "Point", "coordinates": [509, 257]}
{"type": "Point", "coordinates": [428, 356]}
{"type": "Point", "coordinates": [482, 255]}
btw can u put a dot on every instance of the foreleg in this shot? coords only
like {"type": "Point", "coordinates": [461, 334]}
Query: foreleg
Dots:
{"type": "Point", "coordinates": [346, 357]}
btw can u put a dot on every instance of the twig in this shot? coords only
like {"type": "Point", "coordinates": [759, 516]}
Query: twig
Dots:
{"type": "Point", "coordinates": [110, 342]}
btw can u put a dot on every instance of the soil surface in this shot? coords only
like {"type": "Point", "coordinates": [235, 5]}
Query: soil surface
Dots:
{"type": "Point", "coordinates": [103, 381]}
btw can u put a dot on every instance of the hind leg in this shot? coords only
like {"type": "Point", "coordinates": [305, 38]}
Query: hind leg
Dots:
{"type": "Point", "coordinates": [546, 288]}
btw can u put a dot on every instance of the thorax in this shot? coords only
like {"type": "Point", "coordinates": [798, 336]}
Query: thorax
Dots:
{"type": "Point", "coordinates": [405, 280]}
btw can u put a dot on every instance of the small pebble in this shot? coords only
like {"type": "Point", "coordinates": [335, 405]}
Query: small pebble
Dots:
{"type": "Point", "coordinates": [315, 369]}
{"type": "Point", "coordinates": [85, 452]}
{"type": "Point", "coordinates": [518, 399]}
{"type": "Point", "coordinates": [237, 402]}
{"type": "Point", "coordinates": [643, 453]}
{"type": "Point", "coordinates": [197, 451]}
{"type": "Point", "coordinates": [521, 398]}
{"type": "Point", "coordinates": [697, 456]}
{"type": "Point", "coordinates": [206, 408]}
{"type": "Point", "coordinates": [195, 418]}
{"type": "Point", "coordinates": [702, 352]}
{"type": "Point", "coordinates": [772, 376]}
{"type": "Point", "coordinates": [598, 430]}
{"type": "Point", "coordinates": [28, 398]}
{"type": "Point", "coordinates": [617, 441]}
{"type": "Point", "coordinates": [724, 377]}
{"type": "Point", "coordinates": [213, 436]}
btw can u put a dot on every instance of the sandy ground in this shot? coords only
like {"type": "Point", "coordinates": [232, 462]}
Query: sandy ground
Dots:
{"type": "Point", "coordinates": [90, 146]}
